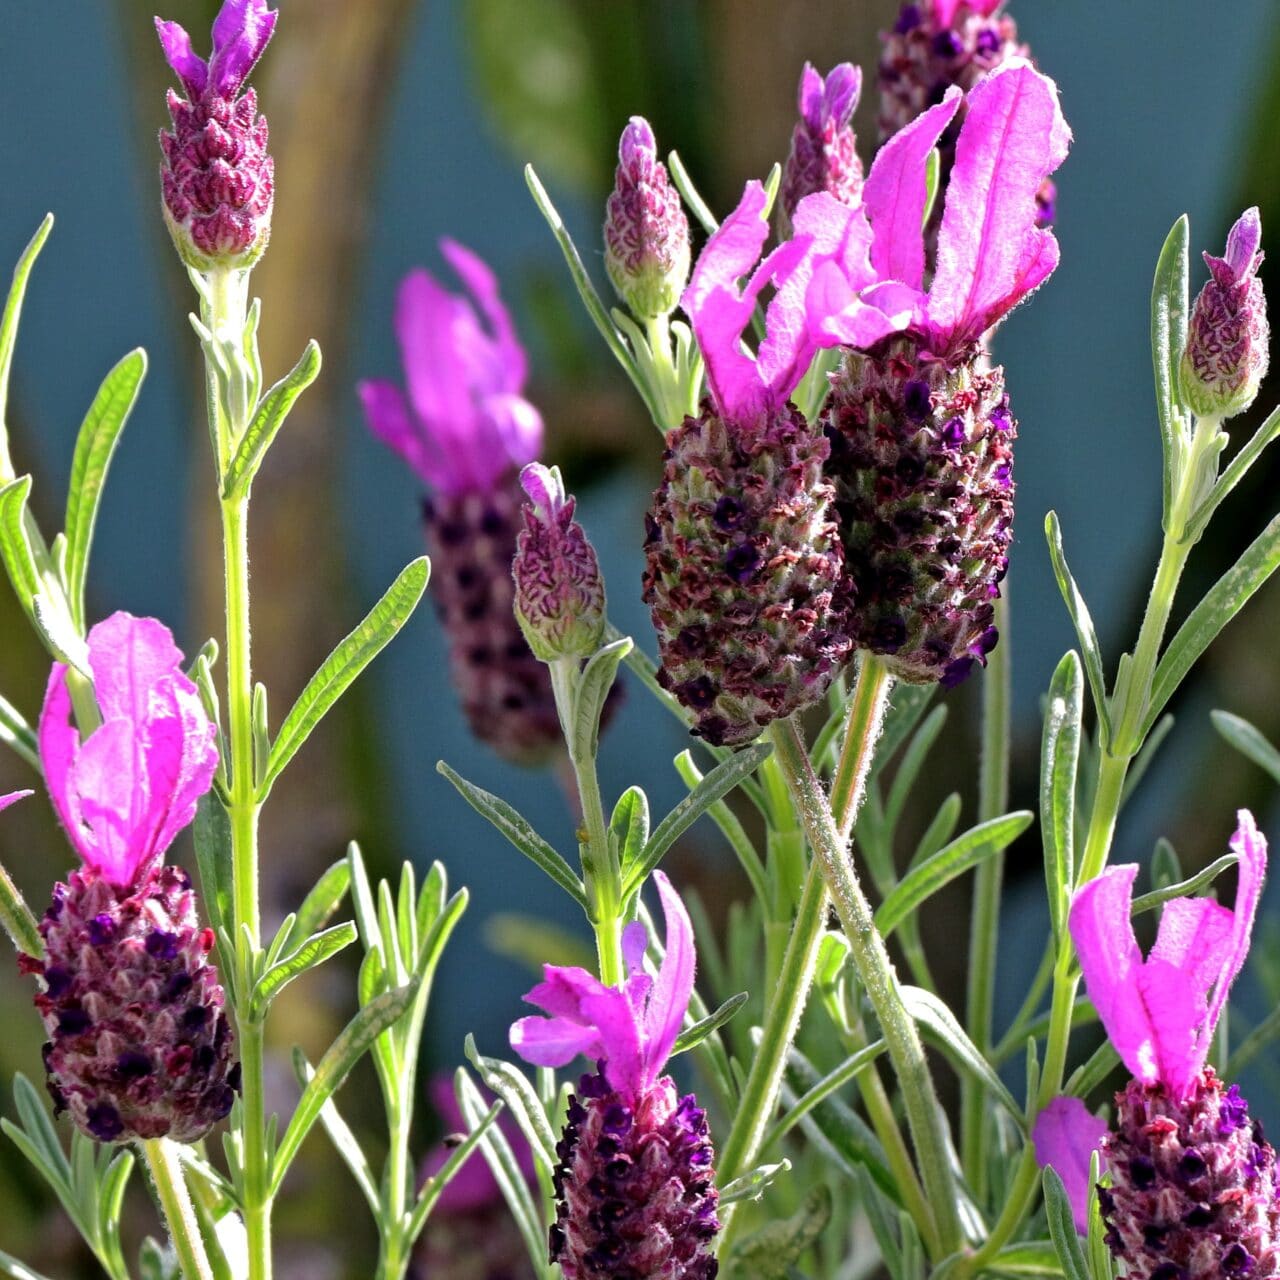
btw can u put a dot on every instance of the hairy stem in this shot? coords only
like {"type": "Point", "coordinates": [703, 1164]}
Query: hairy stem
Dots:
{"type": "Point", "coordinates": [179, 1213]}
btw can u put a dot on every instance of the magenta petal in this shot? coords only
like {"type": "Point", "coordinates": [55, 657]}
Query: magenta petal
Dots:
{"type": "Point", "coordinates": [128, 656]}
{"type": "Point", "coordinates": [59, 743]}
{"type": "Point", "coordinates": [390, 419]}
{"type": "Point", "coordinates": [563, 989]}
{"type": "Point", "coordinates": [1066, 1134]}
{"type": "Point", "coordinates": [553, 1042]}
{"type": "Point", "coordinates": [437, 332]}
{"type": "Point", "coordinates": [1250, 846]}
{"type": "Point", "coordinates": [12, 798]}
{"type": "Point", "coordinates": [896, 189]}
{"type": "Point", "coordinates": [1111, 961]}
{"type": "Point", "coordinates": [240, 34]}
{"type": "Point", "coordinates": [509, 433]}
{"type": "Point", "coordinates": [990, 252]}
{"type": "Point", "coordinates": [109, 779]}
{"type": "Point", "coordinates": [191, 69]}
{"type": "Point", "coordinates": [719, 312]}
{"type": "Point", "coordinates": [511, 365]}
{"type": "Point", "coordinates": [635, 937]}
{"type": "Point", "coordinates": [613, 1015]}
{"type": "Point", "coordinates": [1243, 243]}
{"type": "Point", "coordinates": [181, 759]}
{"type": "Point", "coordinates": [671, 993]}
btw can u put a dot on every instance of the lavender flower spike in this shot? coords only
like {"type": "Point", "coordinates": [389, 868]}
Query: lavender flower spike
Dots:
{"type": "Point", "coordinates": [1228, 337]}
{"type": "Point", "coordinates": [646, 230]}
{"type": "Point", "coordinates": [217, 178]}
{"type": "Point", "coordinates": [1066, 1134]}
{"type": "Point", "coordinates": [1193, 1182]}
{"type": "Point", "coordinates": [635, 1187]}
{"type": "Point", "coordinates": [824, 149]}
{"type": "Point", "coordinates": [466, 429]}
{"type": "Point", "coordinates": [560, 599]}
{"type": "Point", "coordinates": [920, 428]}
{"type": "Point", "coordinates": [139, 1043]}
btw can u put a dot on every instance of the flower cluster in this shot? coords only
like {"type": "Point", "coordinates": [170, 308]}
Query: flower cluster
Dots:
{"type": "Point", "coordinates": [824, 148]}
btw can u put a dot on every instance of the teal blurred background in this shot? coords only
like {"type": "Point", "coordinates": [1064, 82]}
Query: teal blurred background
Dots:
{"type": "Point", "coordinates": [400, 122]}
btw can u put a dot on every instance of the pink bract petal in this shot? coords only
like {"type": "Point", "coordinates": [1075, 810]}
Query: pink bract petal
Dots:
{"type": "Point", "coordinates": [1244, 240]}
{"type": "Point", "coordinates": [1066, 1134]}
{"type": "Point", "coordinates": [191, 69]}
{"type": "Point", "coordinates": [635, 940]}
{"type": "Point", "coordinates": [896, 189]}
{"type": "Point", "coordinates": [12, 798]}
{"type": "Point", "coordinates": [438, 336]}
{"type": "Point", "coordinates": [511, 366]}
{"type": "Point", "coordinates": [240, 34]}
{"type": "Point", "coordinates": [109, 778]}
{"type": "Point", "coordinates": [389, 418]}
{"type": "Point", "coordinates": [1250, 847]}
{"type": "Point", "coordinates": [990, 252]}
{"type": "Point", "coordinates": [554, 1042]}
{"type": "Point", "coordinates": [59, 743]}
{"type": "Point", "coordinates": [128, 657]}
{"type": "Point", "coordinates": [509, 433]}
{"type": "Point", "coordinates": [671, 993]}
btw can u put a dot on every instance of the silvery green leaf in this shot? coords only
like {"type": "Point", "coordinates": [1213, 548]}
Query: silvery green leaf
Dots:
{"type": "Point", "coordinates": [821, 1090]}
{"type": "Point", "coordinates": [1170, 309]}
{"type": "Point", "coordinates": [590, 692]}
{"type": "Point", "coordinates": [1234, 473]}
{"type": "Point", "coordinates": [212, 835]}
{"type": "Point", "coordinates": [692, 1036]}
{"type": "Point", "coordinates": [1062, 1228]}
{"type": "Point", "coordinates": [95, 447]}
{"type": "Point", "coordinates": [754, 1183]}
{"type": "Point", "coordinates": [17, 734]}
{"type": "Point", "coordinates": [319, 905]}
{"type": "Point", "coordinates": [311, 953]}
{"type": "Point", "coordinates": [9, 329]}
{"type": "Point", "coordinates": [1248, 740]}
{"type": "Point", "coordinates": [913, 760]}
{"type": "Point", "coordinates": [15, 542]}
{"type": "Point", "coordinates": [1059, 766]}
{"type": "Point", "coordinates": [344, 664]}
{"type": "Point", "coordinates": [511, 1085]}
{"type": "Point", "coordinates": [1184, 888]}
{"type": "Point", "coordinates": [629, 824]}
{"type": "Point", "coordinates": [340, 1135]}
{"type": "Point", "coordinates": [434, 1186]}
{"type": "Point", "coordinates": [58, 633]}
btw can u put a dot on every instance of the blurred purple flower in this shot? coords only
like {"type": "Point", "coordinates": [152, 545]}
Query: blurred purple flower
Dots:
{"type": "Point", "coordinates": [1066, 1134]}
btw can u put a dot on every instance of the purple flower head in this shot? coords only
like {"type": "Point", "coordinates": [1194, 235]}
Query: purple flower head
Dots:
{"type": "Point", "coordinates": [630, 1028]}
{"type": "Point", "coordinates": [991, 254]}
{"type": "Point", "coordinates": [240, 34]}
{"type": "Point", "coordinates": [1066, 1134]}
{"type": "Point", "coordinates": [1244, 250]}
{"type": "Point", "coordinates": [465, 421]}
{"type": "Point", "coordinates": [745, 388]}
{"type": "Point", "coordinates": [1160, 1012]}
{"type": "Point", "coordinates": [132, 785]}
{"type": "Point", "coordinates": [824, 149]}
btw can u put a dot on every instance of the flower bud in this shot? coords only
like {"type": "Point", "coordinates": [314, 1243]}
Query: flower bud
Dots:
{"type": "Point", "coordinates": [139, 1042]}
{"type": "Point", "coordinates": [824, 154]}
{"type": "Point", "coordinates": [646, 232]}
{"type": "Point", "coordinates": [1227, 338]}
{"type": "Point", "coordinates": [560, 602]}
{"type": "Point", "coordinates": [217, 178]}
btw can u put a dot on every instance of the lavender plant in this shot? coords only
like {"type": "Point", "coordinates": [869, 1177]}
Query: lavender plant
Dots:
{"type": "Point", "coordinates": [824, 560]}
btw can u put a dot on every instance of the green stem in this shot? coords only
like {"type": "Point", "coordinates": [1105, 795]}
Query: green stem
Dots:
{"type": "Point", "coordinates": [791, 991]}
{"type": "Point", "coordinates": [394, 1261]}
{"type": "Point", "coordinates": [875, 969]}
{"type": "Point", "coordinates": [984, 928]}
{"type": "Point", "coordinates": [179, 1213]}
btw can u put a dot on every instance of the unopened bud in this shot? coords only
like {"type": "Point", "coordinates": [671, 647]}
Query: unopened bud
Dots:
{"type": "Point", "coordinates": [824, 155]}
{"type": "Point", "coordinates": [560, 602]}
{"type": "Point", "coordinates": [646, 232]}
{"type": "Point", "coordinates": [1227, 339]}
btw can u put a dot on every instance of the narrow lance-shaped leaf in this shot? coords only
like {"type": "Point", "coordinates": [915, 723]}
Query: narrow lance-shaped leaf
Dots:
{"type": "Point", "coordinates": [1246, 738]}
{"type": "Point", "coordinates": [694, 1034]}
{"type": "Point", "coordinates": [95, 447]}
{"type": "Point", "coordinates": [629, 824]}
{"type": "Point", "coordinates": [589, 698]}
{"type": "Point", "coordinates": [519, 832]}
{"type": "Point", "coordinates": [344, 664]}
{"type": "Point", "coordinates": [1225, 599]}
{"type": "Point", "coordinates": [314, 951]}
{"type": "Point", "coordinates": [17, 734]}
{"type": "Point", "coordinates": [1170, 304]}
{"type": "Point", "coordinates": [350, 1046]}
{"type": "Point", "coordinates": [212, 835]}
{"type": "Point", "coordinates": [1247, 455]}
{"type": "Point", "coordinates": [340, 1135]}
{"type": "Point", "coordinates": [1059, 763]}
{"type": "Point", "coordinates": [15, 544]}
{"type": "Point", "coordinates": [1083, 623]}
{"type": "Point", "coordinates": [1184, 888]}
{"type": "Point", "coordinates": [9, 332]}
{"type": "Point", "coordinates": [754, 1183]}
{"type": "Point", "coordinates": [1062, 1228]}
{"type": "Point", "coordinates": [267, 421]}
{"type": "Point", "coordinates": [319, 905]}
{"type": "Point", "coordinates": [511, 1085]}
{"type": "Point", "coordinates": [435, 1185]}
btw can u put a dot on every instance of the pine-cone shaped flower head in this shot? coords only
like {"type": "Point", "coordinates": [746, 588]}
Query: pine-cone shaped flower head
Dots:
{"type": "Point", "coordinates": [1193, 1191]}
{"type": "Point", "coordinates": [934, 45]}
{"type": "Point", "coordinates": [824, 149]}
{"type": "Point", "coordinates": [742, 557]}
{"type": "Point", "coordinates": [139, 1045]}
{"type": "Point", "coordinates": [646, 230]}
{"type": "Point", "coordinates": [139, 1042]}
{"type": "Point", "coordinates": [560, 597]}
{"type": "Point", "coordinates": [920, 427]}
{"type": "Point", "coordinates": [466, 430]}
{"type": "Point", "coordinates": [1228, 336]}
{"type": "Point", "coordinates": [635, 1186]}
{"type": "Point", "coordinates": [217, 179]}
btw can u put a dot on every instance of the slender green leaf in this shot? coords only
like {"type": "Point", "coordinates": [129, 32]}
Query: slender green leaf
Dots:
{"type": "Point", "coordinates": [95, 447]}
{"type": "Point", "coordinates": [754, 1183]}
{"type": "Point", "coordinates": [1087, 1077]}
{"type": "Point", "coordinates": [1235, 472]}
{"type": "Point", "coordinates": [932, 169]}
{"type": "Point", "coordinates": [730, 827]}
{"type": "Point", "coordinates": [1083, 622]}
{"type": "Point", "coordinates": [344, 664]}
{"type": "Point", "coordinates": [717, 784]}
{"type": "Point", "coordinates": [1028, 1258]}
{"type": "Point", "coordinates": [39, 1127]}
{"type": "Point", "coordinates": [1166, 866]}
{"type": "Point", "coordinates": [1185, 888]}
{"type": "Point", "coordinates": [362, 898]}
{"type": "Point", "coordinates": [689, 193]}
{"type": "Point", "coordinates": [212, 835]}
{"type": "Point", "coordinates": [1062, 1228]}
{"type": "Point", "coordinates": [9, 322]}
{"type": "Point", "coordinates": [939, 1024]}
{"type": "Point", "coordinates": [17, 734]}
{"type": "Point", "coordinates": [1253, 1044]}
{"type": "Point", "coordinates": [692, 1036]}
{"type": "Point", "coordinates": [314, 951]}
{"type": "Point", "coordinates": [1225, 599]}
{"type": "Point", "coordinates": [976, 845]}
{"type": "Point", "coordinates": [15, 545]}
{"type": "Point", "coordinates": [1059, 767]}
{"type": "Point", "coordinates": [344, 1141]}
{"type": "Point", "coordinates": [1248, 740]}
{"type": "Point", "coordinates": [319, 905]}
{"type": "Point", "coordinates": [819, 1092]}
{"type": "Point", "coordinates": [629, 824]}
{"type": "Point", "coordinates": [589, 697]}
{"type": "Point", "coordinates": [434, 1186]}
{"type": "Point", "coordinates": [913, 760]}
{"type": "Point", "coordinates": [522, 1101]}
{"type": "Point", "coordinates": [267, 421]}
{"type": "Point", "coordinates": [1170, 305]}
{"type": "Point", "coordinates": [519, 832]}
{"type": "Point", "coordinates": [18, 1270]}
{"type": "Point", "coordinates": [350, 1046]}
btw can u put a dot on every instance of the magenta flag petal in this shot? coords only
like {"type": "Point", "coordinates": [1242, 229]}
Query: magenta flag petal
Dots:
{"type": "Point", "coordinates": [128, 657]}
{"type": "Point", "coordinates": [990, 252]}
{"type": "Point", "coordinates": [635, 937]}
{"type": "Point", "coordinates": [945, 10]}
{"type": "Point", "coordinates": [435, 329]}
{"type": "Point", "coordinates": [511, 429]}
{"type": "Point", "coordinates": [896, 190]}
{"type": "Point", "coordinates": [563, 989]}
{"type": "Point", "coordinates": [240, 34]}
{"type": "Point", "coordinates": [59, 743]}
{"type": "Point", "coordinates": [191, 69]}
{"type": "Point", "coordinates": [553, 1042]}
{"type": "Point", "coordinates": [671, 993]}
{"type": "Point", "coordinates": [1066, 1134]}
{"type": "Point", "coordinates": [110, 779]}
{"type": "Point", "coordinates": [1251, 848]}
{"type": "Point", "coordinates": [1244, 241]}
{"type": "Point", "coordinates": [511, 365]}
